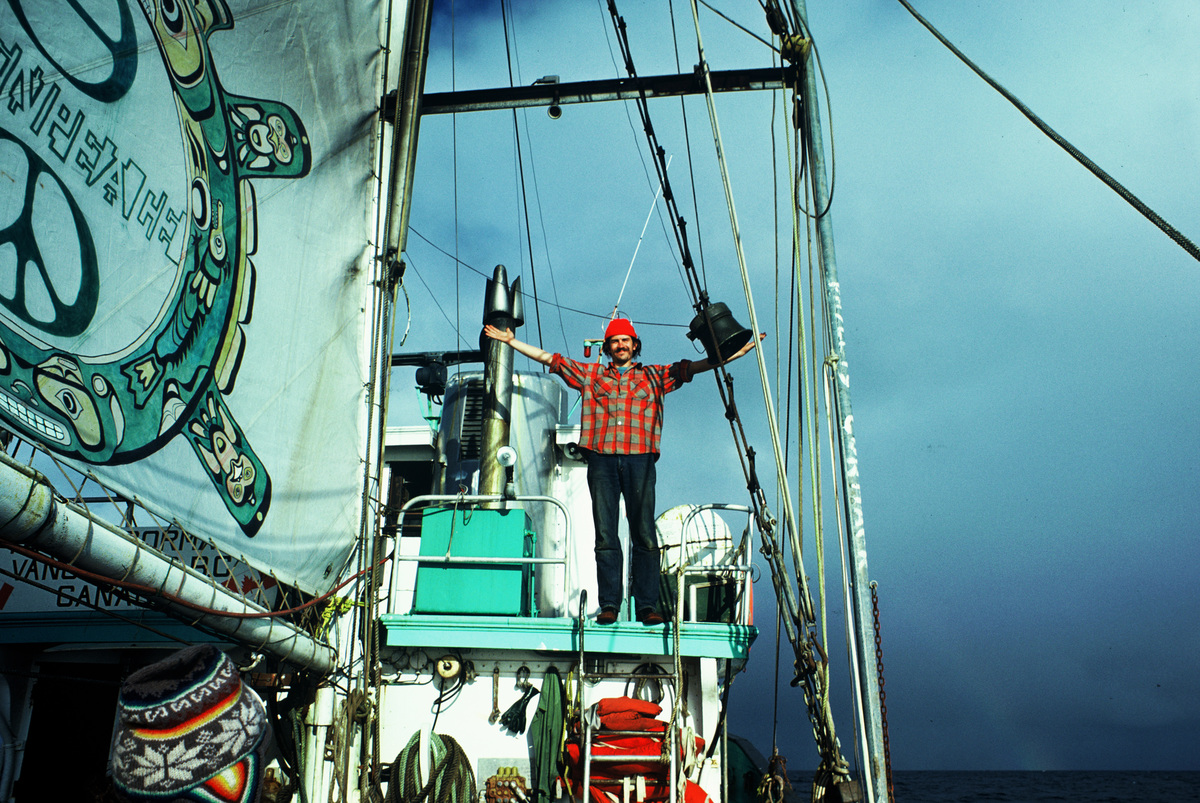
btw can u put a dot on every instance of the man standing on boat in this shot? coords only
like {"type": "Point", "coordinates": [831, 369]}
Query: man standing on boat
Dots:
{"type": "Point", "coordinates": [622, 422]}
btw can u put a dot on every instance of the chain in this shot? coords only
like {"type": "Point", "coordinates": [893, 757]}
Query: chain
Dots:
{"type": "Point", "coordinates": [887, 751]}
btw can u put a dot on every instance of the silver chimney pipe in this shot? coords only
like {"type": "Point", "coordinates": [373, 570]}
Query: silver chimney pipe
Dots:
{"type": "Point", "coordinates": [503, 309]}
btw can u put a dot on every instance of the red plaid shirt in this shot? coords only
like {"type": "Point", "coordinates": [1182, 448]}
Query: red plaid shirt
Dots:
{"type": "Point", "coordinates": [622, 410]}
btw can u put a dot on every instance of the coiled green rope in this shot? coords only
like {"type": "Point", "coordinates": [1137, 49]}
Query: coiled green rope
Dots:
{"type": "Point", "coordinates": [451, 779]}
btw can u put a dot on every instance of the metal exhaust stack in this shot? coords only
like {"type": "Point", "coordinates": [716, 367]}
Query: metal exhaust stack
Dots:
{"type": "Point", "coordinates": [502, 308]}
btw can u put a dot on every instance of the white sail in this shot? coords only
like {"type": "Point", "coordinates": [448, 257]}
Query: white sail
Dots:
{"type": "Point", "coordinates": [185, 260]}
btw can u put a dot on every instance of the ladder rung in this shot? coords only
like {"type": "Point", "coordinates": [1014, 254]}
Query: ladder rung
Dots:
{"type": "Point", "coordinates": [608, 758]}
{"type": "Point", "coordinates": [610, 732]}
{"type": "Point", "coordinates": [621, 780]}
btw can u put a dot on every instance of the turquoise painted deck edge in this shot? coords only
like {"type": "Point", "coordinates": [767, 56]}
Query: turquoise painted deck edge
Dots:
{"type": "Point", "coordinates": [696, 639]}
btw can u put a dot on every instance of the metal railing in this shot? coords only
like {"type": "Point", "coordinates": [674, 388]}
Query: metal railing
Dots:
{"type": "Point", "coordinates": [739, 570]}
{"type": "Point", "coordinates": [458, 499]}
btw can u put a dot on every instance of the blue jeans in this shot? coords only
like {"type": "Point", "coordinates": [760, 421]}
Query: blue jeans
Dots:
{"type": "Point", "coordinates": [611, 476]}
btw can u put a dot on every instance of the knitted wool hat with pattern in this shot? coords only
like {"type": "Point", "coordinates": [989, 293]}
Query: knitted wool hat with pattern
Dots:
{"type": "Point", "coordinates": [189, 730]}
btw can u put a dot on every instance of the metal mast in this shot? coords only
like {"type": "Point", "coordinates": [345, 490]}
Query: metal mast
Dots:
{"type": "Point", "coordinates": [864, 637]}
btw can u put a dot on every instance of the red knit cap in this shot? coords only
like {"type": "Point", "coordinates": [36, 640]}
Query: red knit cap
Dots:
{"type": "Point", "coordinates": [619, 326]}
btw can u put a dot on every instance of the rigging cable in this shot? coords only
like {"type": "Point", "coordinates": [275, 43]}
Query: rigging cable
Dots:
{"type": "Point", "coordinates": [847, 465]}
{"type": "Point", "coordinates": [798, 611]}
{"type": "Point", "coordinates": [389, 273]}
{"type": "Point", "coordinates": [811, 673]}
{"type": "Point", "coordinates": [746, 455]}
{"type": "Point", "coordinates": [811, 42]}
{"type": "Point", "coordinates": [62, 594]}
{"type": "Point", "coordinates": [700, 300]}
{"type": "Point", "coordinates": [789, 514]}
{"type": "Point", "coordinates": [505, 12]}
{"type": "Point", "coordinates": [524, 294]}
{"type": "Point", "coordinates": [649, 182]}
{"type": "Point", "coordinates": [735, 23]}
{"type": "Point", "coordinates": [687, 142]}
{"type": "Point", "coordinates": [150, 592]}
{"type": "Point", "coordinates": [815, 674]}
{"type": "Point", "coordinates": [834, 769]}
{"type": "Point", "coordinates": [638, 247]}
{"type": "Point", "coordinates": [658, 153]}
{"type": "Point", "coordinates": [1114, 185]}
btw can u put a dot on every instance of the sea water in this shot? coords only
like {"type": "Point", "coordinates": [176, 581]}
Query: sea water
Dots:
{"type": "Point", "coordinates": [1036, 787]}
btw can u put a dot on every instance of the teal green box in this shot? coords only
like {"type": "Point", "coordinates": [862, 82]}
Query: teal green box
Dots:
{"type": "Point", "coordinates": [499, 589]}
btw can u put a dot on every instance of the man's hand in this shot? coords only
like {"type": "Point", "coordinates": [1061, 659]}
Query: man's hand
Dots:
{"type": "Point", "coordinates": [503, 335]}
{"type": "Point", "coordinates": [708, 365]}
{"type": "Point", "coordinates": [751, 343]}
{"type": "Point", "coordinates": [506, 336]}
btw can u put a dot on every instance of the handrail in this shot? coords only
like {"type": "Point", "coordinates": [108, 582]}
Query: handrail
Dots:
{"type": "Point", "coordinates": [472, 498]}
{"type": "Point", "coordinates": [743, 569]}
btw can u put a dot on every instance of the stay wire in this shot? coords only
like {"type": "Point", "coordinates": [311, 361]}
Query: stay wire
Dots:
{"type": "Point", "coordinates": [687, 142]}
{"type": "Point", "coordinates": [746, 455]}
{"type": "Point", "coordinates": [1114, 185]}
{"type": "Point", "coordinates": [641, 156]}
{"type": "Point", "coordinates": [735, 23]}
{"type": "Point", "coordinates": [558, 308]}
{"type": "Point", "coordinates": [433, 296]}
{"type": "Point", "coordinates": [505, 13]}
{"type": "Point", "coordinates": [816, 679]}
{"type": "Point", "coordinates": [638, 247]}
{"type": "Point", "coordinates": [524, 295]}
{"type": "Point", "coordinates": [788, 510]}
{"type": "Point", "coordinates": [698, 294]}
{"type": "Point", "coordinates": [816, 59]}
{"type": "Point", "coordinates": [658, 154]}
{"type": "Point", "coordinates": [454, 151]}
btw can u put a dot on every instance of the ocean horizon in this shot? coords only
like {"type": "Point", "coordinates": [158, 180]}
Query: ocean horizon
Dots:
{"type": "Point", "coordinates": [1034, 786]}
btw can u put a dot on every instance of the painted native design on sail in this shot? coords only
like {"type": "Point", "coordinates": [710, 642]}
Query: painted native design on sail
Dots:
{"type": "Point", "coordinates": [61, 382]}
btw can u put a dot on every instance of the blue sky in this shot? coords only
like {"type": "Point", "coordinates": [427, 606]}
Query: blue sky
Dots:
{"type": "Point", "coordinates": [1021, 342]}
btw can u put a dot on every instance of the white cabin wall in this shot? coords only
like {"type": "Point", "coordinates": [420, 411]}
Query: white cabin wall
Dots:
{"type": "Point", "coordinates": [559, 589]}
{"type": "Point", "coordinates": [409, 703]}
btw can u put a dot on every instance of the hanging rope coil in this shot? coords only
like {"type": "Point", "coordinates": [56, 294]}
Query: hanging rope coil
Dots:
{"type": "Point", "coordinates": [451, 779]}
{"type": "Point", "coordinates": [774, 783]}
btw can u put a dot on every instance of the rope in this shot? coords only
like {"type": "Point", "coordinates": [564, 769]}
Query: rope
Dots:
{"type": "Point", "coordinates": [638, 247]}
{"type": "Point", "coordinates": [775, 783]}
{"type": "Point", "coordinates": [811, 662]}
{"type": "Point", "coordinates": [1114, 185]}
{"type": "Point", "coordinates": [451, 779]}
{"type": "Point", "coordinates": [812, 667]}
{"type": "Point", "coordinates": [506, 16]}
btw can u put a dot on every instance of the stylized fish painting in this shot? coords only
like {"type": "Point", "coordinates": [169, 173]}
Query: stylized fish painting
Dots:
{"type": "Point", "coordinates": [169, 378]}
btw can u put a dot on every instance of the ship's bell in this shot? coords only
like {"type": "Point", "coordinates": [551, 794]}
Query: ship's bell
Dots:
{"type": "Point", "coordinates": [720, 334]}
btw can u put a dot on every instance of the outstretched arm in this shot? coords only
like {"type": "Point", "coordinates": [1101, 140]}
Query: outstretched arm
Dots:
{"type": "Point", "coordinates": [707, 365]}
{"type": "Point", "coordinates": [506, 336]}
